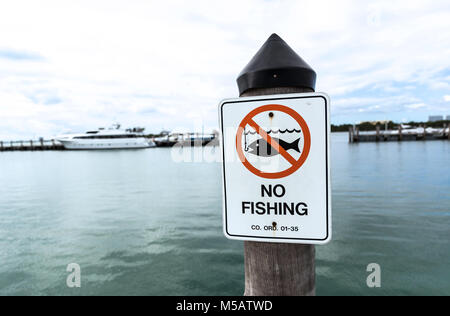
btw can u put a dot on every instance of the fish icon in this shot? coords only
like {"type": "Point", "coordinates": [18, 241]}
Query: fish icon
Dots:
{"type": "Point", "coordinates": [262, 149]}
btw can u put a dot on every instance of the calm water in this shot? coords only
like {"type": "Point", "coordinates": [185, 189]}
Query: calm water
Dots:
{"type": "Point", "coordinates": [138, 223]}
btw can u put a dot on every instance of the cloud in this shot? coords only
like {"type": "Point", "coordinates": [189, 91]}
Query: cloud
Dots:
{"type": "Point", "coordinates": [19, 55]}
{"type": "Point", "coordinates": [416, 106]}
{"type": "Point", "coordinates": [167, 64]}
{"type": "Point", "coordinates": [447, 98]}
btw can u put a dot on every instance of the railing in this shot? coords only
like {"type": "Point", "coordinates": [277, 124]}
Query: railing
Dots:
{"type": "Point", "coordinates": [41, 144]}
{"type": "Point", "coordinates": [355, 135]}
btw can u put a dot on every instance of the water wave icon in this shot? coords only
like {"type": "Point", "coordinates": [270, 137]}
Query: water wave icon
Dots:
{"type": "Point", "coordinates": [277, 131]}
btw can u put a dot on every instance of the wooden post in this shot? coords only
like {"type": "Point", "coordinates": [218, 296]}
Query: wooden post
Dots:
{"type": "Point", "coordinates": [1, 143]}
{"type": "Point", "coordinates": [378, 133]}
{"type": "Point", "coordinates": [350, 134]}
{"type": "Point", "coordinates": [400, 136]}
{"type": "Point", "coordinates": [356, 139]}
{"type": "Point", "coordinates": [31, 144]}
{"type": "Point", "coordinates": [274, 269]}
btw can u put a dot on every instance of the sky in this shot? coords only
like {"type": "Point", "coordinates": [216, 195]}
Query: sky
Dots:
{"type": "Point", "coordinates": [72, 66]}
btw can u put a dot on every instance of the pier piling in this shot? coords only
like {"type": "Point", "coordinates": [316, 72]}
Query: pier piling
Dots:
{"type": "Point", "coordinates": [274, 269]}
{"type": "Point", "coordinates": [356, 136]}
{"type": "Point", "coordinates": [30, 145]}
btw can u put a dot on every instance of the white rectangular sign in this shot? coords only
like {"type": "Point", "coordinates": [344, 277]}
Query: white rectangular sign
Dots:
{"type": "Point", "coordinates": [276, 169]}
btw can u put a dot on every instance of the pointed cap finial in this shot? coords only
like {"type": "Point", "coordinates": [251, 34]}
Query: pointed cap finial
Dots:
{"type": "Point", "coordinates": [276, 65]}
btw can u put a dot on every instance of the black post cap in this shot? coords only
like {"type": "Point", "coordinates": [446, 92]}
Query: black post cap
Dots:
{"type": "Point", "coordinates": [276, 65]}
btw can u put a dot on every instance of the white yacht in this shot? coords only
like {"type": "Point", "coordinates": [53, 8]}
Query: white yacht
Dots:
{"type": "Point", "coordinates": [111, 138]}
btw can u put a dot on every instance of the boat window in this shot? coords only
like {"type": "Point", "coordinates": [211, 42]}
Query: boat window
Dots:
{"type": "Point", "coordinates": [107, 136]}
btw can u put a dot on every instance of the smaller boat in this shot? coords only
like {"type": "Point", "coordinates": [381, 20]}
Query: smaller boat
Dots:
{"type": "Point", "coordinates": [185, 139]}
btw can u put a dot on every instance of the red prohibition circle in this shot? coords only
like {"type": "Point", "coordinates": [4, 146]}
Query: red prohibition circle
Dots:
{"type": "Point", "coordinates": [296, 164]}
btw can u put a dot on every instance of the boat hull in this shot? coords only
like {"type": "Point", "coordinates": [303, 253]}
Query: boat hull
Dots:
{"type": "Point", "coordinates": [132, 143]}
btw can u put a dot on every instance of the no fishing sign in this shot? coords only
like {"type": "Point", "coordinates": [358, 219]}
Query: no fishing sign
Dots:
{"type": "Point", "coordinates": [276, 170]}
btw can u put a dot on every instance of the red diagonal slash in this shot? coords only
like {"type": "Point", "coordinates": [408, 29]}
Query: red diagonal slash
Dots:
{"type": "Point", "coordinates": [272, 142]}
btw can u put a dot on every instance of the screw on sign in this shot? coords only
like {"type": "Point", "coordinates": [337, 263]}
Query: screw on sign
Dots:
{"type": "Point", "coordinates": [267, 146]}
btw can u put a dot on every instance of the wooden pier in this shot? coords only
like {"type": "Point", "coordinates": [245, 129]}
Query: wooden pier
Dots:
{"type": "Point", "coordinates": [416, 134]}
{"type": "Point", "coordinates": [31, 145]}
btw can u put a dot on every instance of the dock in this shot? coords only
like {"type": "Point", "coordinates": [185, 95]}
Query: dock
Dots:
{"type": "Point", "coordinates": [31, 145]}
{"type": "Point", "coordinates": [415, 134]}
{"type": "Point", "coordinates": [51, 144]}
